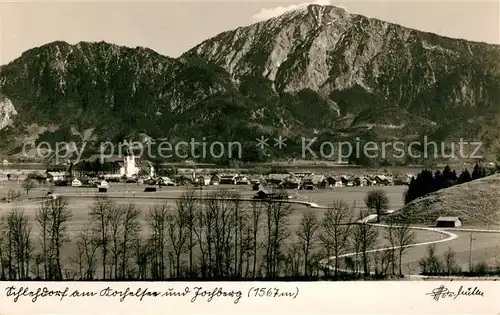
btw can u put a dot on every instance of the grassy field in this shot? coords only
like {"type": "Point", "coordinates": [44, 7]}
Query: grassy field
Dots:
{"type": "Point", "coordinates": [486, 247]}
{"type": "Point", "coordinates": [476, 203]}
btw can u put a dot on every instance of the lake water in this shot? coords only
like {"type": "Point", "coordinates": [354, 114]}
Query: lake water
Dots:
{"type": "Point", "coordinates": [293, 168]}
{"type": "Point", "coordinates": [23, 167]}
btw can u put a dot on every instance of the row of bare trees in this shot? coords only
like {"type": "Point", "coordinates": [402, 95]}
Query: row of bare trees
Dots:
{"type": "Point", "coordinates": [217, 237]}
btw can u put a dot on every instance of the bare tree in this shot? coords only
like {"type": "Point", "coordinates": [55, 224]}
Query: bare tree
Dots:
{"type": "Point", "coordinates": [306, 233]}
{"type": "Point", "coordinates": [432, 261]}
{"type": "Point", "coordinates": [100, 214]}
{"type": "Point", "coordinates": [256, 210]}
{"type": "Point", "coordinates": [179, 235]}
{"type": "Point", "coordinates": [450, 260]}
{"type": "Point", "coordinates": [7, 248]}
{"type": "Point", "coordinates": [116, 230]}
{"type": "Point", "coordinates": [356, 246]}
{"type": "Point", "coordinates": [390, 236]}
{"type": "Point", "coordinates": [220, 213]}
{"type": "Point", "coordinates": [315, 264]}
{"type": "Point", "coordinates": [12, 195]}
{"type": "Point", "coordinates": [59, 215]}
{"type": "Point", "coordinates": [142, 256]}
{"type": "Point", "coordinates": [42, 218]}
{"type": "Point", "coordinates": [247, 247]}
{"type": "Point", "coordinates": [3, 263]}
{"type": "Point", "coordinates": [294, 260]}
{"type": "Point", "coordinates": [19, 244]}
{"type": "Point", "coordinates": [87, 243]}
{"type": "Point", "coordinates": [38, 260]}
{"type": "Point", "coordinates": [203, 232]}
{"type": "Point", "coordinates": [239, 218]}
{"type": "Point", "coordinates": [189, 203]}
{"type": "Point", "coordinates": [335, 230]}
{"type": "Point", "coordinates": [386, 261]}
{"type": "Point", "coordinates": [276, 229]}
{"type": "Point", "coordinates": [158, 221]}
{"type": "Point", "coordinates": [404, 237]}
{"type": "Point", "coordinates": [367, 236]}
{"type": "Point", "coordinates": [28, 185]}
{"type": "Point", "coordinates": [131, 230]}
{"type": "Point", "coordinates": [377, 200]}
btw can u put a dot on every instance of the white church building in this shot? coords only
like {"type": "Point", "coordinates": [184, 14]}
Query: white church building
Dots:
{"type": "Point", "coordinates": [129, 168]}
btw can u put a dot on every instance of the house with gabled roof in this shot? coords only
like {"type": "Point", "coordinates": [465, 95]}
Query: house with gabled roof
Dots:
{"type": "Point", "coordinates": [360, 181]}
{"type": "Point", "coordinates": [277, 178]}
{"type": "Point", "coordinates": [228, 179]}
{"type": "Point", "coordinates": [347, 181]}
{"type": "Point", "coordinates": [448, 222]}
{"type": "Point", "coordinates": [242, 180]}
{"type": "Point", "coordinates": [57, 176]}
{"type": "Point", "coordinates": [256, 179]}
{"type": "Point", "coordinates": [301, 175]}
{"type": "Point", "coordinates": [265, 193]}
{"type": "Point", "coordinates": [313, 179]}
{"type": "Point", "coordinates": [291, 182]}
{"type": "Point", "coordinates": [76, 183]}
{"type": "Point", "coordinates": [384, 180]}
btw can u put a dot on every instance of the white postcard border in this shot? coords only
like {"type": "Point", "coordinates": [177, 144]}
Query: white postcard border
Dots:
{"type": "Point", "coordinates": [367, 297]}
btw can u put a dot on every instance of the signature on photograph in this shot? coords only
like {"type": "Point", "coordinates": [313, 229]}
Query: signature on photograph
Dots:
{"type": "Point", "coordinates": [444, 292]}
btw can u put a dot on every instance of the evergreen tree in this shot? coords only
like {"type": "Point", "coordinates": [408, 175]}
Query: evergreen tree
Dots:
{"type": "Point", "coordinates": [426, 182]}
{"type": "Point", "coordinates": [464, 177]}
{"type": "Point", "coordinates": [438, 182]}
{"type": "Point", "coordinates": [475, 172]}
{"type": "Point", "coordinates": [449, 177]}
{"type": "Point", "coordinates": [411, 193]}
{"type": "Point", "coordinates": [483, 172]}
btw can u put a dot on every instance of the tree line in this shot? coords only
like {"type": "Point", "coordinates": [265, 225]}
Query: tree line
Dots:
{"type": "Point", "coordinates": [446, 265]}
{"type": "Point", "coordinates": [217, 237]}
{"type": "Point", "coordinates": [427, 182]}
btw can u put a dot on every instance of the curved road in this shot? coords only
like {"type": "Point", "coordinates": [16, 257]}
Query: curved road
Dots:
{"type": "Point", "coordinates": [450, 236]}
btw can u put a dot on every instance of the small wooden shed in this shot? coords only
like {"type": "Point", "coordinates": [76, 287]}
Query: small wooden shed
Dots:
{"type": "Point", "coordinates": [448, 222]}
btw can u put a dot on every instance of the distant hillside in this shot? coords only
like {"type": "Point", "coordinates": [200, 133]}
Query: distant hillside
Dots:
{"type": "Point", "coordinates": [313, 72]}
{"type": "Point", "coordinates": [476, 203]}
{"type": "Point", "coordinates": [373, 79]}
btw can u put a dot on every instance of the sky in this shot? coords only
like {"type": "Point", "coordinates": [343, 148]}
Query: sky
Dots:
{"type": "Point", "coordinates": [171, 28]}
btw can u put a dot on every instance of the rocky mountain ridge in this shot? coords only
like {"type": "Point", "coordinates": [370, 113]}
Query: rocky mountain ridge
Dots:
{"type": "Point", "coordinates": [314, 72]}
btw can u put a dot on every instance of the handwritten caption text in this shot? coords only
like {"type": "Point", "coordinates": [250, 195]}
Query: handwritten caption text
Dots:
{"type": "Point", "coordinates": [192, 294]}
{"type": "Point", "coordinates": [443, 292]}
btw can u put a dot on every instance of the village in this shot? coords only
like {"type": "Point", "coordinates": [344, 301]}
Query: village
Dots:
{"type": "Point", "coordinates": [131, 171]}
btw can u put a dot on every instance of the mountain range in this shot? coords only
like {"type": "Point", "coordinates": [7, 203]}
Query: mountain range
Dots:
{"type": "Point", "coordinates": [316, 71]}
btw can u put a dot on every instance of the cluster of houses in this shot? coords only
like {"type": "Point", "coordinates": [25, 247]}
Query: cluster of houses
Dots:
{"type": "Point", "coordinates": [310, 180]}
{"type": "Point", "coordinates": [297, 180]}
{"type": "Point", "coordinates": [306, 181]}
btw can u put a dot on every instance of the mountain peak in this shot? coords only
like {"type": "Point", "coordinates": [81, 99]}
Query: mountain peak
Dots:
{"type": "Point", "coordinates": [316, 11]}
{"type": "Point", "coordinates": [324, 8]}
{"type": "Point", "coordinates": [315, 70]}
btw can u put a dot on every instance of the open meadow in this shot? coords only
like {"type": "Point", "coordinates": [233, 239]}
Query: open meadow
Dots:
{"type": "Point", "coordinates": [81, 199]}
{"type": "Point", "coordinates": [486, 247]}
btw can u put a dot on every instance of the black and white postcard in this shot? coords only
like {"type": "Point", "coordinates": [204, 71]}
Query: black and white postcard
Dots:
{"type": "Point", "coordinates": [256, 157]}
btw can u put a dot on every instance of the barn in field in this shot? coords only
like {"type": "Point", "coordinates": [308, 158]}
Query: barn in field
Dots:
{"type": "Point", "coordinates": [448, 222]}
